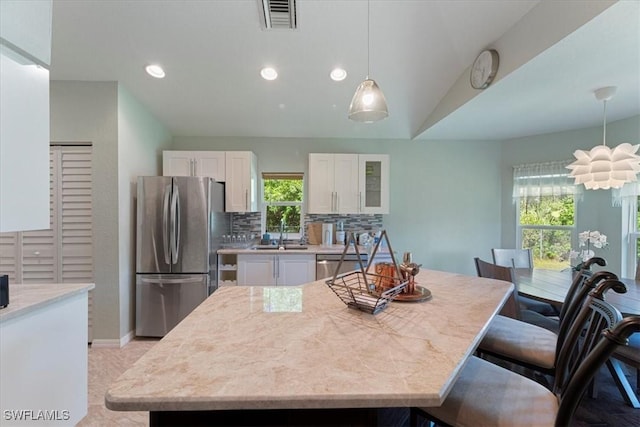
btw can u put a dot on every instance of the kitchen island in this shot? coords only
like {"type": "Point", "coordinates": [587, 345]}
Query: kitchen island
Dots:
{"type": "Point", "coordinates": [299, 350]}
{"type": "Point", "coordinates": [43, 354]}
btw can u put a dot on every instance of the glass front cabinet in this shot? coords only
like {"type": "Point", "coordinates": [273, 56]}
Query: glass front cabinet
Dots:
{"type": "Point", "coordinates": [373, 183]}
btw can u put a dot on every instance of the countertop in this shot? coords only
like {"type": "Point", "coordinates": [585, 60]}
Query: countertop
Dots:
{"type": "Point", "coordinates": [301, 347]}
{"type": "Point", "coordinates": [26, 298]}
{"type": "Point", "coordinates": [311, 250]}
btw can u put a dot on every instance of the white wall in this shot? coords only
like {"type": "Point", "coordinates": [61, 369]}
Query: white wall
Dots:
{"type": "Point", "coordinates": [141, 139]}
{"type": "Point", "coordinates": [127, 142]}
{"type": "Point", "coordinates": [87, 112]}
{"type": "Point", "coordinates": [445, 196]}
{"type": "Point", "coordinates": [595, 210]}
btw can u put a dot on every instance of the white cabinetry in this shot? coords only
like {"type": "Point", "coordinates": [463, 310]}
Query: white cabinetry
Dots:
{"type": "Point", "coordinates": [194, 163]}
{"type": "Point", "coordinates": [333, 183]}
{"type": "Point", "coordinates": [241, 193]}
{"type": "Point", "coordinates": [25, 52]}
{"type": "Point", "coordinates": [275, 269]}
{"type": "Point", "coordinates": [348, 183]}
{"type": "Point", "coordinates": [227, 269]}
{"type": "Point", "coordinates": [373, 179]}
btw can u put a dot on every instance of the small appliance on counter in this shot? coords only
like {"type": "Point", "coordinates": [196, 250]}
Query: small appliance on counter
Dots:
{"type": "Point", "coordinates": [327, 234]}
{"type": "Point", "coordinates": [340, 235]}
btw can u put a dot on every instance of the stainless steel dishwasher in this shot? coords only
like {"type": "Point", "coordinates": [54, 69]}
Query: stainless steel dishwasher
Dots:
{"type": "Point", "coordinates": [326, 264]}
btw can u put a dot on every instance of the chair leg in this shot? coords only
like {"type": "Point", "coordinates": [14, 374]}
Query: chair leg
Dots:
{"type": "Point", "coordinates": [623, 384]}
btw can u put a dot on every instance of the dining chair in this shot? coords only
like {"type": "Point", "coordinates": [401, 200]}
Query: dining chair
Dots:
{"type": "Point", "coordinates": [522, 258]}
{"type": "Point", "coordinates": [514, 308]}
{"type": "Point", "coordinates": [532, 346]}
{"type": "Point", "coordinates": [487, 394]}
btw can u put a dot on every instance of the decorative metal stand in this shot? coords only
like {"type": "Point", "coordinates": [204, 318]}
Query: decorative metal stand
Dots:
{"type": "Point", "coordinates": [364, 290]}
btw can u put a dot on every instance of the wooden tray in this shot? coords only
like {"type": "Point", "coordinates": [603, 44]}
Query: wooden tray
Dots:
{"type": "Point", "coordinates": [420, 294]}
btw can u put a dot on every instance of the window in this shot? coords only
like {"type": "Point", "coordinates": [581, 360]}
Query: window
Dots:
{"type": "Point", "coordinates": [545, 197]}
{"type": "Point", "coordinates": [282, 204]}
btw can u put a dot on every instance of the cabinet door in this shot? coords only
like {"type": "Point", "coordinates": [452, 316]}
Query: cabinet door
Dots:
{"type": "Point", "coordinates": [177, 163]}
{"type": "Point", "coordinates": [211, 164]}
{"type": "Point", "coordinates": [346, 183]}
{"type": "Point", "coordinates": [256, 270]}
{"type": "Point", "coordinates": [24, 144]}
{"type": "Point", "coordinates": [374, 183]}
{"type": "Point", "coordinates": [296, 269]}
{"type": "Point", "coordinates": [321, 184]}
{"type": "Point", "coordinates": [241, 182]}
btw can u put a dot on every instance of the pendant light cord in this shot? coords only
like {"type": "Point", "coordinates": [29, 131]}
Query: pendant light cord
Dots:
{"type": "Point", "coordinates": [604, 127]}
{"type": "Point", "coordinates": [368, 38]}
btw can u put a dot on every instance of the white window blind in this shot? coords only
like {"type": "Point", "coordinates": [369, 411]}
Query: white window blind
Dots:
{"type": "Point", "coordinates": [543, 179]}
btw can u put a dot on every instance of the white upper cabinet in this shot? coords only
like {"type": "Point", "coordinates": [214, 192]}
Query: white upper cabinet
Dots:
{"type": "Point", "coordinates": [195, 163]}
{"type": "Point", "coordinates": [348, 183]}
{"type": "Point", "coordinates": [25, 51]}
{"type": "Point", "coordinates": [241, 188]}
{"type": "Point", "coordinates": [25, 27]}
{"type": "Point", "coordinates": [373, 182]}
{"type": "Point", "coordinates": [24, 144]}
{"type": "Point", "coordinates": [333, 183]}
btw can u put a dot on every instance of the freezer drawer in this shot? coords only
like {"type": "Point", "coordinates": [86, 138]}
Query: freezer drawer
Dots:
{"type": "Point", "coordinates": [163, 300]}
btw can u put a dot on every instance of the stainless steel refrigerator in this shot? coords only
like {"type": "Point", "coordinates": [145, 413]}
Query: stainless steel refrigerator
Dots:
{"type": "Point", "coordinates": [180, 224]}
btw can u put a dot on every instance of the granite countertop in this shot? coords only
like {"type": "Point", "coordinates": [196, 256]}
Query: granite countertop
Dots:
{"type": "Point", "coordinates": [311, 250]}
{"type": "Point", "coordinates": [26, 298]}
{"type": "Point", "coordinates": [301, 347]}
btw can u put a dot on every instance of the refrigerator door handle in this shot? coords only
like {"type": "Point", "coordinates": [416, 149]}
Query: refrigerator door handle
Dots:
{"type": "Point", "coordinates": [174, 225]}
{"type": "Point", "coordinates": [165, 224]}
{"type": "Point", "coordinates": [177, 232]}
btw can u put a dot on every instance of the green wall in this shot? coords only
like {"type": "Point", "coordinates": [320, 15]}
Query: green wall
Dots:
{"type": "Point", "coordinates": [445, 195]}
{"type": "Point", "coordinates": [595, 210]}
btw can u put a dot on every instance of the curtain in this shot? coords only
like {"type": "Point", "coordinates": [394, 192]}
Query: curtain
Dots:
{"type": "Point", "coordinates": [544, 179]}
{"type": "Point", "coordinates": [631, 190]}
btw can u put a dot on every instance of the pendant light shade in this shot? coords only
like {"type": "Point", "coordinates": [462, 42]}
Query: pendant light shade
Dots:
{"type": "Point", "coordinates": [603, 167]}
{"type": "Point", "coordinates": [368, 103]}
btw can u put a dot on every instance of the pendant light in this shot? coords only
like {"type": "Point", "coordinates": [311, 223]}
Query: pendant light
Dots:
{"type": "Point", "coordinates": [603, 167]}
{"type": "Point", "coordinates": [368, 104]}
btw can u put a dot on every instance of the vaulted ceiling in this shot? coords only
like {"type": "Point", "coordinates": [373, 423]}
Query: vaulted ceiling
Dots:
{"type": "Point", "coordinates": [553, 55]}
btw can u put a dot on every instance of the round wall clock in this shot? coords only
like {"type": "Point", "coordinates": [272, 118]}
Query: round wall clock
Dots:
{"type": "Point", "coordinates": [484, 69]}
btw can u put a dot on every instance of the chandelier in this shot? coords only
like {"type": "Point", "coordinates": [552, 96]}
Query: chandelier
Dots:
{"type": "Point", "coordinates": [603, 167]}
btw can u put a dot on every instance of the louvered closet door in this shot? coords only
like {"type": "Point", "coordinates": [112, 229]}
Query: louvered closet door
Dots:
{"type": "Point", "coordinates": [10, 256]}
{"type": "Point", "coordinates": [75, 217]}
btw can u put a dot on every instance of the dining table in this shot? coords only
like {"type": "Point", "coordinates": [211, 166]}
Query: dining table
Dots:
{"type": "Point", "coordinates": [551, 286]}
{"type": "Point", "coordinates": [290, 355]}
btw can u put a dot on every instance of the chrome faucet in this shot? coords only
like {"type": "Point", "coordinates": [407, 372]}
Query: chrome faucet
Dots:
{"type": "Point", "coordinates": [281, 240]}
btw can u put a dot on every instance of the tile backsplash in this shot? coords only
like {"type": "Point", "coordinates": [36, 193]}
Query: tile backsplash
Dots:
{"type": "Point", "coordinates": [247, 223]}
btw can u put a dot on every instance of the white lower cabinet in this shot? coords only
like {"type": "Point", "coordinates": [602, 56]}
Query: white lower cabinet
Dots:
{"type": "Point", "coordinates": [276, 269]}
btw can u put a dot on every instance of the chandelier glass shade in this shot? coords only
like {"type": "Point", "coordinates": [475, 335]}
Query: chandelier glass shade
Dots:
{"type": "Point", "coordinates": [368, 103]}
{"type": "Point", "coordinates": [603, 167]}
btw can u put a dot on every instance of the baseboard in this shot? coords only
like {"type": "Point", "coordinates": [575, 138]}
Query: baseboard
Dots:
{"type": "Point", "coordinates": [113, 343]}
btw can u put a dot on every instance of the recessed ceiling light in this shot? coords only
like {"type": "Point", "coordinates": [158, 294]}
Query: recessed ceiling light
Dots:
{"type": "Point", "coordinates": [155, 71]}
{"type": "Point", "coordinates": [338, 74]}
{"type": "Point", "coordinates": [269, 73]}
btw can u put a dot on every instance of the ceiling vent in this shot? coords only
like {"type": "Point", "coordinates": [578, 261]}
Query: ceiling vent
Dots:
{"type": "Point", "coordinates": [279, 14]}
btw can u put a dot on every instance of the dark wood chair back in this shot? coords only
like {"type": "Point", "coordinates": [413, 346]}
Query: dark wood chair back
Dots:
{"type": "Point", "coordinates": [597, 332]}
{"type": "Point", "coordinates": [498, 272]}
